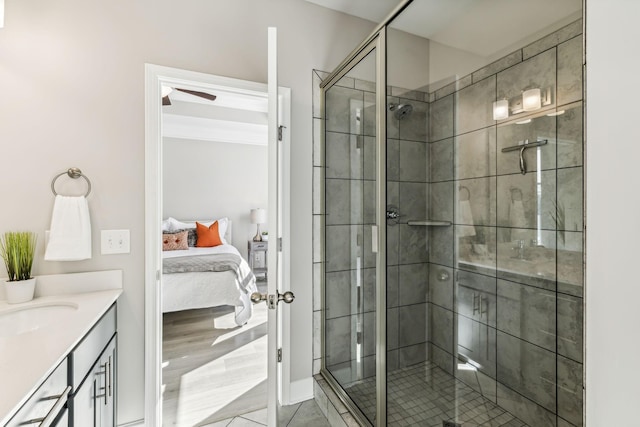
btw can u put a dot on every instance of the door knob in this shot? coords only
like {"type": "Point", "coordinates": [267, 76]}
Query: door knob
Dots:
{"type": "Point", "coordinates": [271, 300]}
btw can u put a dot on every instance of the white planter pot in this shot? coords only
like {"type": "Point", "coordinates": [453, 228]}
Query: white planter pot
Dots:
{"type": "Point", "coordinates": [20, 290]}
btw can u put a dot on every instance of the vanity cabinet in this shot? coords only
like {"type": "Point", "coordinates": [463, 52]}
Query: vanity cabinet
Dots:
{"type": "Point", "coordinates": [93, 378]}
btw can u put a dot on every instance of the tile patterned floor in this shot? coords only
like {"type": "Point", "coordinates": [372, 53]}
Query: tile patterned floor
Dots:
{"type": "Point", "coordinates": [425, 395]}
{"type": "Point", "coordinates": [305, 414]}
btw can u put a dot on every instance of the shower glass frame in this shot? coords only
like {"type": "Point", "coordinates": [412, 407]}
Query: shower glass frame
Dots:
{"type": "Point", "coordinates": [376, 42]}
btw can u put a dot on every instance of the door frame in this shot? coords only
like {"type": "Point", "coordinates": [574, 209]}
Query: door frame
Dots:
{"type": "Point", "coordinates": [155, 77]}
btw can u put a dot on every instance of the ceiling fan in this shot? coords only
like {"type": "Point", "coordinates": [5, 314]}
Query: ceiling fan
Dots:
{"type": "Point", "coordinates": [166, 90]}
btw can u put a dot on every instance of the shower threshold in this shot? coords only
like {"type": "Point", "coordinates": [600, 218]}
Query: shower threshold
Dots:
{"type": "Point", "coordinates": [425, 395]}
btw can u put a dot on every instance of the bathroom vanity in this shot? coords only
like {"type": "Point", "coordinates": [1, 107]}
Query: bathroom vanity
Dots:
{"type": "Point", "coordinates": [58, 353]}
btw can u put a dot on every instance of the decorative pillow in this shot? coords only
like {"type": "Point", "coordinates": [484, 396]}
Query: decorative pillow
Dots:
{"type": "Point", "coordinates": [175, 225]}
{"type": "Point", "coordinates": [208, 236]}
{"type": "Point", "coordinates": [192, 236]}
{"type": "Point", "coordinates": [175, 241]}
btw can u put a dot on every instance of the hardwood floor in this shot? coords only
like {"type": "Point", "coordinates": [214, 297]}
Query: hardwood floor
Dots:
{"type": "Point", "coordinates": [213, 369]}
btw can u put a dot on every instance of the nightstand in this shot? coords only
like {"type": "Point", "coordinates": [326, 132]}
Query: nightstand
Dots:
{"type": "Point", "coordinates": [257, 252]}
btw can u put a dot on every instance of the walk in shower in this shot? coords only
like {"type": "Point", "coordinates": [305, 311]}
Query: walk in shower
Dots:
{"type": "Point", "coordinates": [451, 217]}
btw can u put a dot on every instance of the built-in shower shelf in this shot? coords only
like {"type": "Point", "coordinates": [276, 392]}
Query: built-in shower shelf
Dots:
{"type": "Point", "coordinates": [429, 223]}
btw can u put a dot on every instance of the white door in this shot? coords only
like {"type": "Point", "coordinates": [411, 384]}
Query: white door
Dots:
{"type": "Point", "coordinates": [275, 216]}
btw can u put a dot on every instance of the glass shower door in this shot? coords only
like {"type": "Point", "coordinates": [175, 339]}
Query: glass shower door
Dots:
{"type": "Point", "coordinates": [350, 239]}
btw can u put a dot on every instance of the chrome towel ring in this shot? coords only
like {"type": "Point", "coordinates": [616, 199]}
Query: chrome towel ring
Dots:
{"type": "Point", "coordinates": [74, 173]}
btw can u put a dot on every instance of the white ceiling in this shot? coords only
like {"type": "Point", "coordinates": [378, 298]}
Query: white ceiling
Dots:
{"type": "Point", "coordinates": [232, 117]}
{"type": "Point", "coordinates": [481, 27]}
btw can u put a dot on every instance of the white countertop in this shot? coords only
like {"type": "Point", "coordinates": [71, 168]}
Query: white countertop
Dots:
{"type": "Point", "coordinates": [26, 360]}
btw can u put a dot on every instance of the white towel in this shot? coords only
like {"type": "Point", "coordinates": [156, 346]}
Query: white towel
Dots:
{"type": "Point", "coordinates": [465, 217]}
{"type": "Point", "coordinates": [70, 235]}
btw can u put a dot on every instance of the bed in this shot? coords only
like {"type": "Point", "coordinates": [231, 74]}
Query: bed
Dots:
{"type": "Point", "coordinates": [201, 277]}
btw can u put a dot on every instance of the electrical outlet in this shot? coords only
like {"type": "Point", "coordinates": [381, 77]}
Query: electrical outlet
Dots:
{"type": "Point", "coordinates": [114, 242]}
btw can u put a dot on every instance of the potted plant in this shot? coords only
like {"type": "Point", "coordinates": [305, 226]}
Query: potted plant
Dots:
{"type": "Point", "coordinates": [17, 249]}
{"type": "Point", "coordinates": [265, 236]}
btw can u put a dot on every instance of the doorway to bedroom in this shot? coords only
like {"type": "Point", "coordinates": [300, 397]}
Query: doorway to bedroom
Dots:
{"type": "Point", "coordinates": [214, 200]}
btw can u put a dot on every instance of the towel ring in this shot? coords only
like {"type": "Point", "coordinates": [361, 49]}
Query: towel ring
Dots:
{"type": "Point", "coordinates": [461, 188]}
{"type": "Point", "coordinates": [74, 173]}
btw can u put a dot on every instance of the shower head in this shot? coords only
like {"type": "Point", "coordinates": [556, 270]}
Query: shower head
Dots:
{"type": "Point", "coordinates": [400, 111]}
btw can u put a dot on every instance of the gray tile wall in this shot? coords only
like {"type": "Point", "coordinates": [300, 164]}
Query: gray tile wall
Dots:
{"type": "Point", "coordinates": [516, 315]}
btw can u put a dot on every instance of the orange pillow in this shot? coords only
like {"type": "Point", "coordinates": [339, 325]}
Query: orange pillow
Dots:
{"type": "Point", "coordinates": [208, 236]}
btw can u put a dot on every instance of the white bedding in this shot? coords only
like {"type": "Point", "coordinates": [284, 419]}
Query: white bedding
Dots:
{"type": "Point", "coordinates": [185, 291]}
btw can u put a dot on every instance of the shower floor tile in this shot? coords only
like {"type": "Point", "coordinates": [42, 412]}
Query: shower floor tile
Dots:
{"type": "Point", "coordinates": [425, 395]}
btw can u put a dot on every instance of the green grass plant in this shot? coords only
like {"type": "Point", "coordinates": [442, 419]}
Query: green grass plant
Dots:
{"type": "Point", "coordinates": [17, 249]}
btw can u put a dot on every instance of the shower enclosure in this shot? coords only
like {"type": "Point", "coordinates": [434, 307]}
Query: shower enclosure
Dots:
{"type": "Point", "coordinates": [452, 218]}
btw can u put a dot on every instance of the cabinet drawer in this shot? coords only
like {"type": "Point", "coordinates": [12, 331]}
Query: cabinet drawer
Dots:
{"type": "Point", "coordinates": [259, 246]}
{"type": "Point", "coordinates": [47, 401]}
{"type": "Point", "coordinates": [87, 352]}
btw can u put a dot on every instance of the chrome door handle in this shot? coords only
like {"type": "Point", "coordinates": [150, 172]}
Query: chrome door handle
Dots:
{"type": "Point", "coordinates": [272, 300]}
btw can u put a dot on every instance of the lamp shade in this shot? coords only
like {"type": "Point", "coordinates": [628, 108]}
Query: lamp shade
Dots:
{"type": "Point", "coordinates": [531, 100]}
{"type": "Point", "coordinates": [258, 216]}
{"type": "Point", "coordinates": [501, 109]}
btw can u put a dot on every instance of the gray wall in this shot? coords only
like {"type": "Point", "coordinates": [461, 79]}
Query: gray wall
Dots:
{"type": "Point", "coordinates": [210, 180]}
{"type": "Point", "coordinates": [72, 84]}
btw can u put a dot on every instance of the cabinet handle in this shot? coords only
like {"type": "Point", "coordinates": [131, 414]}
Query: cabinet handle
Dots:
{"type": "Point", "coordinates": [104, 372]}
{"type": "Point", "coordinates": [61, 400]}
{"type": "Point", "coordinates": [109, 377]}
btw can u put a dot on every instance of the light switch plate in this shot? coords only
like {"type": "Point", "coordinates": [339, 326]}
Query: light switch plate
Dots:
{"type": "Point", "coordinates": [115, 242]}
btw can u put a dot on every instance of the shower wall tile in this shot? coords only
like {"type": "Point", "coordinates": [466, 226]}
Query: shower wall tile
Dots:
{"type": "Point", "coordinates": [479, 196]}
{"type": "Point", "coordinates": [570, 263]}
{"type": "Point", "coordinates": [369, 202]}
{"type": "Point", "coordinates": [368, 289]}
{"type": "Point", "coordinates": [564, 423]}
{"type": "Point", "coordinates": [344, 158]}
{"type": "Point", "coordinates": [393, 160]}
{"type": "Point", "coordinates": [523, 202]}
{"type": "Point", "coordinates": [368, 256]}
{"type": "Point", "coordinates": [476, 154]}
{"type": "Point", "coordinates": [441, 327]}
{"type": "Point", "coordinates": [441, 119]}
{"type": "Point", "coordinates": [317, 347]}
{"type": "Point", "coordinates": [341, 106]}
{"type": "Point", "coordinates": [348, 82]}
{"type": "Point", "coordinates": [364, 85]}
{"type": "Point", "coordinates": [476, 297]}
{"type": "Point", "coordinates": [441, 358]}
{"type": "Point", "coordinates": [317, 191]}
{"type": "Point", "coordinates": [369, 334]}
{"type": "Point", "coordinates": [476, 344]}
{"type": "Point", "coordinates": [570, 71]}
{"type": "Point", "coordinates": [368, 151]}
{"type": "Point", "coordinates": [553, 39]}
{"type": "Point", "coordinates": [392, 328]}
{"type": "Point", "coordinates": [393, 131]}
{"type": "Point", "coordinates": [317, 239]}
{"type": "Point", "coordinates": [445, 90]}
{"type": "Point", "coordinates": [392, 364]}
{"type": "Point", "coordinates": [413, 127]}
{"type": "Point", "coordinates": [318, 157]}
{"type": "Point", "coordinates": [540, 128]}
{"type": "Point", "coordinates": [570, 391]}
{"type": "Point", "coordinates": [441, 245]}
{"type": "Point", "coordinates": [478, 381]}
{"type": "Point", "coordinates": [440, 202]}
{"type": "Point", "coordinates": [412, 354]}
{"type": "Point", "coordinates": [570, 327]}
{"type": "Point", "coordinates": [413, 283]}
{"type": "Point", "coordinates": [441, 160]}
{"type": "Point", "coordinates": [338, 340]}
{"type": "Point", "coordinates": [343, 201]}
{"type": "Point", "coordinates": [369, 114]}
{"type": "Point", "coordinates": [317, 279]}
{"type": "Point", "coordinates": [441, 286]}
{"type": "Point", "coordinates": [412, 321]}
{"type": "Point", "coordinates": [414, 158]}
{"type": "Point", "coordinates": [393, 193]}
{"type": "Point", "coordinates": [527, 369]}
{"type": "Point", "coordinates": [476, 252]}
{"type": "Point", "coordinates": [341, 294]}
{"type": "Point", "coordinates": [412, 244]}
{"type": "Point", "coordinates": [570, 152]}
{"type": "Point", "coordinates": [525, 409]}
{"type": "Point", "coordinates": [393, 278]}
{"type": "Point", "coordinates": [570, 202]}
{"type": "Point", "coordinates": [393, 245]}
{"type": "Point", "coordinates": [474, 106]}
{"type": "Point", "coordinates": [342, 247]}
{"type": "Point", "coordinates": [528, 313]}
{"type": "Point", "coordinates": [413, 200]}
{"type": "Point", "coordinates": [497, 66]}
{"type": "Point", "coordinates": [536, 72]}
{"type": "Point", "coordinates": [414, 95]}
